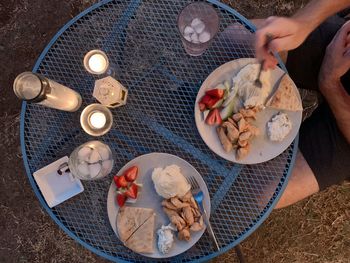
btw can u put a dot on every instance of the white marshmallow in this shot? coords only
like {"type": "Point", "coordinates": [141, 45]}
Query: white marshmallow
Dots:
{"type": "Point", "coordinates": [188, 37]}
{"type": "Point", "coordinates": [83, 168]}
{"type": "Point", "coordinates": [198, 25]}
{"type": "Point", "coordinates": [94, 157]}
{"type": "Point", "coordinates": [94, 169]}
{"type": "Point", "coordinates": [194, 38]}
{"type": "Point", "coordinates": [84, 153]}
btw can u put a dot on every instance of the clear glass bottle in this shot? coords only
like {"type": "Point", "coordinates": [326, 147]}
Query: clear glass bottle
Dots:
{"type": "Point", "coordinates": [35, 88]}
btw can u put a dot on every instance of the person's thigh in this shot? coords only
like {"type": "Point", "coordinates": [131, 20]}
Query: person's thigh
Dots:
{"type": "Point", "coordinates": [302, 183]}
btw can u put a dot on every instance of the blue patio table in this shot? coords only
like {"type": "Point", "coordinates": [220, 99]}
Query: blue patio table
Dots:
{"type": "Point", "coordinates": [142, 41]}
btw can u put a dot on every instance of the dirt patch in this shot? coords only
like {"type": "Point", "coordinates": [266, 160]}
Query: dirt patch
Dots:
{"type": "Point", "coordinates": [315, 230]}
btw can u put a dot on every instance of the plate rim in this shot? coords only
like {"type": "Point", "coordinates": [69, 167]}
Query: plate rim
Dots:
{"type": "Point", "coordinates": [112, 186]}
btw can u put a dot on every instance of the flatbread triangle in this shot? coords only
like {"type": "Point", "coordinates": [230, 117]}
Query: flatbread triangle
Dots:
{"type": "Point", "coordinates": [286, 96]}
{"type": "Point", "coordinates": [129, 219]}
{"type": "Point", "coordinates": [142, 241]}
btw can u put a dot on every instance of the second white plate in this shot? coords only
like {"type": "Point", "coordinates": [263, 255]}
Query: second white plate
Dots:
{"type": "Point", "coordinates": [148, 197]}
{"type": "Point", "coordinates": [262, 149]}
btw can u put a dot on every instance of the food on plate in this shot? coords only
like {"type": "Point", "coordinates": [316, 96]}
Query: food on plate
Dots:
{"type": "Point", "coordinates": [286, 96]}
{"type": "Point", "coordinates": [279, 127]}
{"type": "Point", "coordinates": [135, 227]}
{"type": "Point", "coordinates": [127, 188]}
{"type": "Point", "coordinates": [143, 239]}
{"type": "Point", "coordinates": [237, 132]}
{"type": "Point", "coordinates": [165, 238]}
{"type": "Point", "coordinates": [170, 182]}
{"type": "Point", "coordinates": [183, 212]}
{"type": "Point", "coordinates": [251, 95]}
{"type": "Point", "coordinates": [213, 117]}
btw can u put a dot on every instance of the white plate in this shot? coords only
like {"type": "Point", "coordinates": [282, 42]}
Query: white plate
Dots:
{"type": "Point", "coordinates": [54, 187]}
{"type": "Point", "coordinates": [262, 149]}
{"type": "Point", "coordinates": [148, 198]}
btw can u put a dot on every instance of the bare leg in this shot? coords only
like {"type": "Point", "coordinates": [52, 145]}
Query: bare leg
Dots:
{"type": "Point", "coordinates": [302, 183]}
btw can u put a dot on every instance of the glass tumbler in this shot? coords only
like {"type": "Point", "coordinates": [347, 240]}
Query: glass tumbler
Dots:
{"type": "Point", "coordinates": [198, 24]}
{"type": "Point", "coordinates": [90, 161]}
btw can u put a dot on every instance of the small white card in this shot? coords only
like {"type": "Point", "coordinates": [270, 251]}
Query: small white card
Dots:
{"type": "Point", "coordinates": [54, 187]}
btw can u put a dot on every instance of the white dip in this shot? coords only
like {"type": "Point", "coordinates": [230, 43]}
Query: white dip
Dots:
{"type": "Point", "coordinates": [247, 91]}
{"type": "Point", "coordinates": [165, 238]}
{"type": "Point", "coordinates": [279, 127]}
{"type": "Point", "coordinates": [169, 182]}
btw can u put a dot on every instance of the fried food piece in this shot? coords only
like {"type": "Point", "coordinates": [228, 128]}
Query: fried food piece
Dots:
{"type": "Point", "coordinates": [242, 152]}
{"type": "Point", "coordinates": [184, 234]}
{"type": "Point", "coordinates": [186, 197]}
{"type": "Point", "coordinates": [194, 203]}
{"type": "Point", "coordinates": [242, 144]}
{"type": "Point", "coordinates": [237, 117]}
{"type": "Point", "coordinates": [196, 227]}
{"type": "Point", "coordinates": [253, 129]}
{"type": "Point", "coordinates": [226, 143]}
{"type": "Point", "coordinates": [177, 203]}
{"type": "Point", "coordinates": [242, 124]}
{"type": "Point", "coordinates": [248, 113]}
{"type": "Point", "coordinates": [188, 215]}
{"type": "Point", "coordinates": [232, 132]}
{"type": "Point", "coordinates": [244, 136]}
{"type": "Point", "coordinates": [168, 205]}
{"type": "Point", "coordinates": [195, 212]}
{"type": "Point", "coordinates": [175, 218]}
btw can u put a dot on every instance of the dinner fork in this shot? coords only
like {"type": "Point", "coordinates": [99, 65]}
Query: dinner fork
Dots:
{"type": "Point", "coordinates": [198, 196]}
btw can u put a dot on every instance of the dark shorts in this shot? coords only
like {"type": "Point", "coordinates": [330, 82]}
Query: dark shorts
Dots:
{"type": "Point", "coordinates": [321, 142]}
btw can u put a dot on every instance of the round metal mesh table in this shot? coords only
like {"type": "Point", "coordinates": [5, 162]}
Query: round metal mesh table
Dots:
{"type": "Point", "coordinates": [141, 38]}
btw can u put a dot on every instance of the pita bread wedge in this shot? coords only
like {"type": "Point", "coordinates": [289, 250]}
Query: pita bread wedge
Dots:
{"type": "Point", "coordinates": [129, 219]}
{"type": "Point", "coordinates": [142, 241]}
{"type": "Point", "coordinates": [286, 96]}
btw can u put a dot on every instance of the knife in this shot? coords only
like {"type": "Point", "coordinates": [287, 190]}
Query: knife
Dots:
{"type": "Point", "coordinates": [275, 88]}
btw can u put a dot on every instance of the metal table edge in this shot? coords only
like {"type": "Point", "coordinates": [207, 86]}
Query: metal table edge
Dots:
{"type": "Point", "coordinates": [53, 216]}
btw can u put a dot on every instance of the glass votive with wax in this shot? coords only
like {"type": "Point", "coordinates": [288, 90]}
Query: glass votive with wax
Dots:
{"type": "Point", "coordinates": [96, 62]}
{"type": "Point", "coordinates": [96, 119]}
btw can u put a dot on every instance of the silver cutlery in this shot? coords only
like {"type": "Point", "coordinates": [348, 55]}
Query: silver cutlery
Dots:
{"type": "Point", "coordinates": [198, 196]}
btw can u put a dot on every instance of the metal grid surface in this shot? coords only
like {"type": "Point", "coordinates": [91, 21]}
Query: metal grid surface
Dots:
{"type": "Point", "coordinates": [141, 38]}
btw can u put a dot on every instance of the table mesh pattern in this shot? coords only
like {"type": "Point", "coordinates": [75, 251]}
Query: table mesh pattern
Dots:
{"type": "Point", "coordinates": [141, 38]}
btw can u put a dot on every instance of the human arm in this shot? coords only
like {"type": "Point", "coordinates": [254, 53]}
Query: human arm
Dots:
{"type": "Point", "coordinates": [289, 33]}
{"type": "Point", "coordinates": [335, 64]}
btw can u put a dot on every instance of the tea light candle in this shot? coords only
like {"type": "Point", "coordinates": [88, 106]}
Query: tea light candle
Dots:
{"type": "Point", "coordinates": [97, 120]}
{"type": "Point", "coordinates": [96, 62]}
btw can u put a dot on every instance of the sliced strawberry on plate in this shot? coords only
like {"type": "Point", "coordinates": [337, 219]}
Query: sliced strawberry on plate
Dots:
{"type": "Point", "coordinates": [121, 199]}
{"type": "Point", "coordinates": [209, 101]}
{"type": "Point", "coordinates": [216, 93]}
{"type": "Point", "coordinates": [120, 181]}
{"type": "Point", "coordinates": [131, 174]}
{"type": "Point", "coordinates": [132, 191]}
{"type": "Point", "coordinates": [202, 106]}
{"type": "Point", "coordinates": [213, 117]}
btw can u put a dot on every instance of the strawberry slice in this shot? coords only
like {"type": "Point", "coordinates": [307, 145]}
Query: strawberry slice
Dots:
{"type": "Point", "coordinates": [121, 199]}
{"type": "Point", "coordinates": [216, 93]}
{"type": "Point", "coordinates": [132, 191]}
{"type": "Point", "coordinates": [209, 101]}
{"type": "Point", "coordinates": [213, 117]}
{"type": "Point", "coordinates": [120, 181]}
{"type": "Point", "coordinates": [202, 106]}
{"type": "Point", "coordinates": [131, 174]}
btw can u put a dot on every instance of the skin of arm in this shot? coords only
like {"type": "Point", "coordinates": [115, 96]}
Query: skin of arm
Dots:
{"type": "Point", "coordinates": [289, 33]}
{"type": "Point", "coordinates": [335, 64]}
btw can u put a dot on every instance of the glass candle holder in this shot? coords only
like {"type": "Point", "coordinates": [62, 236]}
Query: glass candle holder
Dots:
{"type": "Point", "coordinates": [96, 62]}
{"type": "Point", "coordinates": [96, 119]}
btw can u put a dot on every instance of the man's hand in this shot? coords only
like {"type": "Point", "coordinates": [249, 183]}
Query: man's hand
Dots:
{"type": "Point", "coordinates": [337, 59]}
{"type": "Point", "coordinates": [288, 34]}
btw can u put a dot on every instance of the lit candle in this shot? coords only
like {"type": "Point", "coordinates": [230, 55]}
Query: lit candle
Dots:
{"type": "Point", "coordinates": [97, 120]}
{"type": "Point", "coordinates": [97, 63]}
